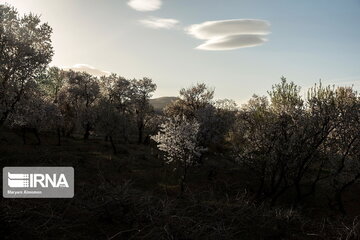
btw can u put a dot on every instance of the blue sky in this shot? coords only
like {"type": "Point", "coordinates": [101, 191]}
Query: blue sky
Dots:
{"type": "Point", "coordinates": [309, 40]}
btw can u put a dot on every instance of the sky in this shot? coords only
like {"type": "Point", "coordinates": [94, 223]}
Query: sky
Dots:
{"type": "Point", "coordinates": [238, 47]}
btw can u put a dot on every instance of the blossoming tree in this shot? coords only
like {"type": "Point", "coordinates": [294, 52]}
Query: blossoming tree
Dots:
{"type": "Point", "coordinates": [178, 138]}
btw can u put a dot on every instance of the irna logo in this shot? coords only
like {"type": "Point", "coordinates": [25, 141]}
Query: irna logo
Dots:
{"type": "Point", "coordinates": [19, 180]}
{"type": "Point", "coordinates": [38, 182]}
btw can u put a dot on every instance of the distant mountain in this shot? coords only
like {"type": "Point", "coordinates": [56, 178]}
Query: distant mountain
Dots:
{"type": "Point", "coordinates": [160, 103]}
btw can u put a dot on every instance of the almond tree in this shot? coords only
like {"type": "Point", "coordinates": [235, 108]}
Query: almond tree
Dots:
{"type": "Point", "coordinates": [178, 138]}
{"type": "Point", "coordinates": [79, 96]}
{"type": "Point", "coordinates": [35, 113]}
{"type": "Point", "coordinates": [51, 81]}
{"type": "Point", "coordinates": [343, 146]}
{"type": "Point", "coordinates": [196, 102]}
{"type": "Point", "coordinates": [118, 92]}
{"type": "Point", "coordinates": [216, 122]}
{"type": "Point", "coordinates": [110, 121]}
{"type": "Point", "coordinates": [293, 144]}
{"type": "Point", "coordinates": [282, 142]}
{"type": "Point", "coordinates": [191, 100]}
{"type": "Point", "coordinates": [142, 91]}
{"type": "Point", "coordinates": [25, 51]}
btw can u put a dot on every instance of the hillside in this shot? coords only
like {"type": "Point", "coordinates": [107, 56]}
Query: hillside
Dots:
{"type": "Point", "coordinates": [160, 103]}
{"type": "Point", "coordinates": [132, 195]}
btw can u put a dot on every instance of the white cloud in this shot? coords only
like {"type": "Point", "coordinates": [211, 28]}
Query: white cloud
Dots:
{"type": "Point", "coordinates": [145, 5]}
{"type": "Point", "coordinates": [156, 23]}
{"type": "Point", "coordinates": [232, 42]}
{"type": "Point", "coordinates": [87, 68]}
{"type": "Point", "coordinates": [230, 34]}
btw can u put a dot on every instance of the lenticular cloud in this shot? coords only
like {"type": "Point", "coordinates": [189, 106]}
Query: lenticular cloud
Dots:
{"type": "Point", "coordinates": [230, 34]}
{"type": "Point", "coordinates": [232, 42]}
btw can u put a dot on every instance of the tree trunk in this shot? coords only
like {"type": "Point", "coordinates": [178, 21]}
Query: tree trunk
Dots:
{"type": "Point", "coordinates": [259, 191]}
{"type": "Point", "coordinates": [183, 179]}
{"type": "Point", "coordinates": [59, 136]}
{"type": "Point", "coordinates": [277, 195]}
{"type": "Point", "coordinates": [24, 135]}
{"type": "Point", "coordinates": [87, 132]}
{"type": "Point", "coordinates": [112, 144]}
{"type": "Point", "coordinates": [2, 121]}
{"type": "Point", "coordinates": [86, 135]}
{"type": "Point", "coordinates": [4, 117]}
{"type": "Point", "coordinates": [340, 192]}
{"type": "Point", "coordinates": [298, 193]}
{"type": "Point", "coordinates": [141, 132]}
{"type": "Point", "coordinates": [36, 133]}
{"type": "Point", "coordinates": [340, 203]}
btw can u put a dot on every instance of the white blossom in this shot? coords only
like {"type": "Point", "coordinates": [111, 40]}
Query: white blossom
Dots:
{"type": "Point", "coordinates": [178, 138]}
